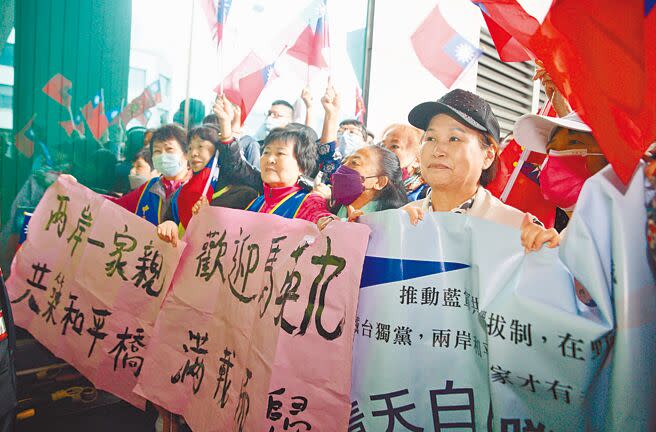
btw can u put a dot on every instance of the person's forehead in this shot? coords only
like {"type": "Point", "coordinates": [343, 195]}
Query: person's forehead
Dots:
{"type": "Point", "coordinates": [363, 155]}
{"type": "Point", "coordinates": [563, 135]}
{"type": "Point", "coordinates": [171, 142]}
{"type": "Point", "coordinates": [280, 144]}
{"type": "Point", "coordinates": [397, 136]}
{"type": "Point", "coordinates": [198, 141]}
{"type": "Point", "coordinates": [280, 109]}
{"type": "Point", "coordinates": [350, 127]}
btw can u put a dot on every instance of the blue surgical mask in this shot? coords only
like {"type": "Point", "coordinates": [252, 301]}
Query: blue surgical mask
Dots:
{"type": "Point", "coordinates": [169, 165]}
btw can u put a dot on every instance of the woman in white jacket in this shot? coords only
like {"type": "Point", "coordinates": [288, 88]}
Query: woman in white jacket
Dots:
{"type": "Point", "coordinates": [459, 157]}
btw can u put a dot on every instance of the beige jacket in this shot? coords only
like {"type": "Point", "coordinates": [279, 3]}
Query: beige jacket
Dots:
{"type": "Point", "coordinates": [486, 206]}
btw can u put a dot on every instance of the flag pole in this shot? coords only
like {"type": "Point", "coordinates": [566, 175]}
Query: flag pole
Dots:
{"type": "Point", "coordinates": [366, 80]}
{"type": "Point", "coordinates": [191, 38]}
{"type": "Point", "coordinates": [524, 156]}
{"type": "Point", "coordinates": [102, 112]}
{"type": "Point", "coordinates": [221, 50]}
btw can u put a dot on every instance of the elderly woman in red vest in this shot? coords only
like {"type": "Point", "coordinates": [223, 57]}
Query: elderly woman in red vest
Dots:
{"type": "Point", "coordinates": [289, 155]}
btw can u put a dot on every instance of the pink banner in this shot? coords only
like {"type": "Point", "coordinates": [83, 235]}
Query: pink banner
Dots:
{"type": "Point", "coordinates": [88, 284]}
{"type": "Point", "coordinates": [218, 355]}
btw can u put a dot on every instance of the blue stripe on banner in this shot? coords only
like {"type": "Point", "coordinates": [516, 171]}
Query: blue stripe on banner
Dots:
{"type": "Point", "coordinates": [378, 270]}
{"type": "Point", "coordinates": [649, 5]}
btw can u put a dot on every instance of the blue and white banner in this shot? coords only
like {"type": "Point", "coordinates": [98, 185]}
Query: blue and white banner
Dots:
{"type": "Point", "coordinates": [458, 329]}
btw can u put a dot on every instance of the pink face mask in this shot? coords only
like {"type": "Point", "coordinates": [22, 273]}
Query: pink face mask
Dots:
{"type": "Point", "coordinates": [563, 175]}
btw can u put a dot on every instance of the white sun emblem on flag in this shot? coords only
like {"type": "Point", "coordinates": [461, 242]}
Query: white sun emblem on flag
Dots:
{"type": "Point", "coordinates": [464, 53]}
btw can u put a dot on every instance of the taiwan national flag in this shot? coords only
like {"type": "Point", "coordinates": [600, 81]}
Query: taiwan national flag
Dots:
{"type": "Point", "coordinates": [58, 89]}
{"type": "Point", "coordinates": [443, 51]}
{"type": "Point", "coordinates": [24, 139]}
{"type": "Point", "coordinates": [310, 44]}
{"type": "Point", "coordinates": [216, 16]}
{"type": "Point", "coordinates": [139, 106]}
{"type": "Point", "coordinates": [71, 125]}
{"type": "Point", "coordinates": [94, 114]}
{"type": "Point", "coordinates": [251, 86]}
{"type": "Point", "coordinates": [230, 86]}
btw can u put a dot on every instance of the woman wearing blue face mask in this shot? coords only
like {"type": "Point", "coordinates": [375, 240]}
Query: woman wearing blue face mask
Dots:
{"type": "Point", "coordinates": [369, 180]}
{"type": "Point", "coordinates": [151, 200]}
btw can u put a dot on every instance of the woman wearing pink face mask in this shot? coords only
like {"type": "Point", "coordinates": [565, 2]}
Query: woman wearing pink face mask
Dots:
{"type": "Point", "coordinates": [573, 156]}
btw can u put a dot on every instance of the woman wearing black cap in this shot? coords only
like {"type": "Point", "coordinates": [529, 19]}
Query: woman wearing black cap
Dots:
{"type": "Point", "coordinates": [459, 157]}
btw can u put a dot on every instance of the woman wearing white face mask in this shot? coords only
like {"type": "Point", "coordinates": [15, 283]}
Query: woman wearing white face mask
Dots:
{"type": "Point", "coordinates": [151, 200]}
{"type": "Point", "coordinates": [142, 169]}
{"type": "Point", "coordinates": [573, 156]}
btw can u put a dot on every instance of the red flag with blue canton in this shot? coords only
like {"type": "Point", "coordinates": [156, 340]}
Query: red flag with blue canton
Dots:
{"type": "Point", "coordinates": [442, 50]}
{"type": "Point", "coordinates": [311, 42]}
{"type": "Point", "coordinates": [71, 125]}
{"type": "Point", "coordinates": [216, 16]}
{"type": "Point", "coordinates": [252, 85]}
{"type": "Point", "coordinates": [138, 107]}
{"type": "Point", "coordinates": [94, 114]}
{"type": "Point", "coordinates": [58, 89]}
{"type": "Point", "coordinates": [230, 85]}
{"type": "Point", "coordinates": [24, 139]}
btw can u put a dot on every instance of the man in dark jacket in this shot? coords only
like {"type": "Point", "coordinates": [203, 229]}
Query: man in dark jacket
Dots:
{"type": "Point", "coordinates": [7, 372]}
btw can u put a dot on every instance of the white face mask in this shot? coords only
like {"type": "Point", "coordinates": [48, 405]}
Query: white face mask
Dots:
{"type": "Point", "coordinates": [349, 143]}
{"type": "Point", "coordinates": [272, 123]}
{"type": "Point", "coordinates": [136, 180]}
{"type": "Point", "coordinates": [169, 165]}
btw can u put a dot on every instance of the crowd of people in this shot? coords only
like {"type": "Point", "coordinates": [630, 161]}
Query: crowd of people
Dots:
{"type": "Point", "coordinates": [440, 160]}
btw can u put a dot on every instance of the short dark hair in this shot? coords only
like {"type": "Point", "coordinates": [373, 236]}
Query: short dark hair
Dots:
{"type": "Point", "coordinates": [358, 123]}
{"type": "Point", "coordinates": [211, 119]}
{"type": "Point", "coordinates": [283, 102]}
{"type": "Point", "coordinates": [144, 154]}
{"type": "Point", "coordinates": [490, 172]}
{"type": "Point", "coordinates": [167, 132]}
{"type": "Point", "coordinates": [207, 132]}
{"type": "Point", "coordinates": [311, 133]}
{"type": "Point", "coordinates": [305, 150]}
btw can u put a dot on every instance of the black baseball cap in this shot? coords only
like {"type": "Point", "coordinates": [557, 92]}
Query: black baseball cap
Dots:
{"type": "Point", "coordinates": [465, 106]}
